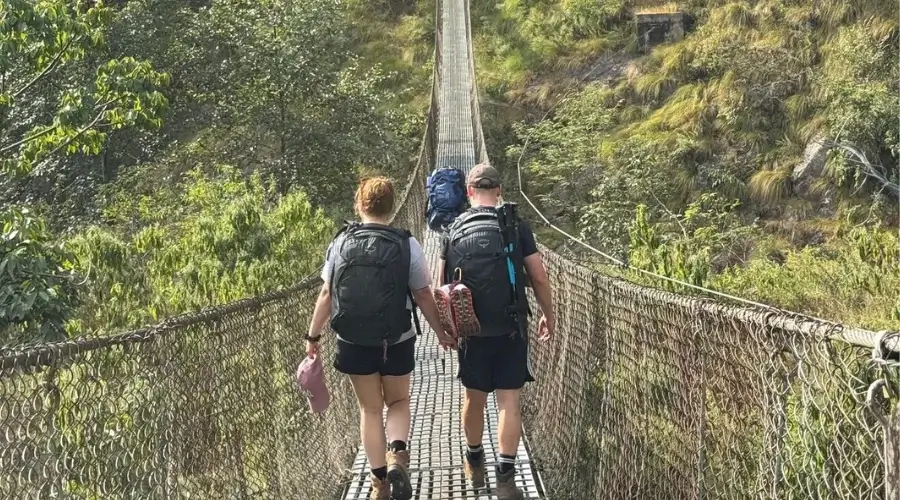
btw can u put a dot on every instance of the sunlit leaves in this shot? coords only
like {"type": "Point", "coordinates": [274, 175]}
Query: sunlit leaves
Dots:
{"type": "Point", "coordinates": [124, 94]}
{"type": "Point", "coordinates": [39, 34]}
{"type": "Point", "coordinates": [37, 41]}
{"type": "Point", "coordinates": [857, 88]}
{"type": "Point", "coordinates": [229, 238]}
{"type": "Point", "coordinates": [37, 280]}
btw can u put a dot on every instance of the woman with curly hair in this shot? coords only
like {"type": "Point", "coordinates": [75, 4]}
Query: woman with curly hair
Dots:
{"type": "Point", "coordinates": [374, 277]}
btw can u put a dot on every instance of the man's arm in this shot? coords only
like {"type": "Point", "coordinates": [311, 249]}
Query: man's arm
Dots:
{"type": "Point", "coordinates": [540, 283]}
{"type": "Point", "coordinates": [534, 268]}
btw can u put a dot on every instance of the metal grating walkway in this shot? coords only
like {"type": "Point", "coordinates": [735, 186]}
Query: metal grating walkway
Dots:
{"type": "Point", "coordinates": [437, 442]}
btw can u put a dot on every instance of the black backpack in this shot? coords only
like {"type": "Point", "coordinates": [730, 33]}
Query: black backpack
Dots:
{"type": "Point", "coordinates": [489, 260]}
{"type": "Point", "coordinates": [370, 284]}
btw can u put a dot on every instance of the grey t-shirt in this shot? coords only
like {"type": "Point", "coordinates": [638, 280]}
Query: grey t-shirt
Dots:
{"type": "Point", "coordinates": [419, 276]}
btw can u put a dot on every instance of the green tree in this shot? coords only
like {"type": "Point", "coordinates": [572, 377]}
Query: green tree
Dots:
{"type": "Point", "coordinates": [37, 279]}
{"type": "Point", "coordinates": [212, 239]}
{"type": "Point", "coordinates": [270, 86]}
{"type": "Point", "coordinates": [37, 39]}
{"type": "Point", "coordinates": [47, 110]}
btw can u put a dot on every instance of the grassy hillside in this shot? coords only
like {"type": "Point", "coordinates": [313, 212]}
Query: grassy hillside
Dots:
{"type": "Point", "coordinates": [685, 160]}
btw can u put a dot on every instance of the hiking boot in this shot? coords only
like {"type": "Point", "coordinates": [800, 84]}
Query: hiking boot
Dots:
{"type": "Point", "coordinates": [506, 487]}
{"type": "Point", "coordinates": [445, 311]}
{"type": "Point", "coordinates": [381, 490]}
{"type": "Point", "coordinates": [475, 472]}
{"type": "Point", "coordinates": [467, 323]}
{"type": "Point", "coordinates": [398, 475]}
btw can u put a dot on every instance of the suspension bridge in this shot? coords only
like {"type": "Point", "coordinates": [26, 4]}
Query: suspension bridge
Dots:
{"type": "Point", "coordinates": [643, 394]}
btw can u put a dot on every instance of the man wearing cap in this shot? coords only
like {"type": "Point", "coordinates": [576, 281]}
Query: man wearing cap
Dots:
{"type": "Point", "coordinates": [473, 250]}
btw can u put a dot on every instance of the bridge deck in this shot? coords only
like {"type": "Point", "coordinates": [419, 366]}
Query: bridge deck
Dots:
{"type": "Point", "coordinates": [437, 442]}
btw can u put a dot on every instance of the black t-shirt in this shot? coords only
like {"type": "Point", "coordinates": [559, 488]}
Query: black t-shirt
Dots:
{"type": "Point", "coordinates": [526, 240]}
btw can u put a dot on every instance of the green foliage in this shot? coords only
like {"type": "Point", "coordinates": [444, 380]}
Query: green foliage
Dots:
{"type": "Point", "coordinates": [673, 159]}
{"type": "Point", "coordinates": [708, 237]}
{"type": "Point", "coordinates": [853, 278]}
{"type": "Point", "coordinates": [37, 280]}
{"type": "Point", "coordinates": [276, 89]}
{"type": "Point", "coordinates": [860, 101]}
{"type": "Point", "coordinates": [209, 240]}
{"type": "Point", "coordinates": [515, 40]}
{"type": "Point", "coordinates": [36, 40]}
{"type": "Point", "coordinates": [40, 43]}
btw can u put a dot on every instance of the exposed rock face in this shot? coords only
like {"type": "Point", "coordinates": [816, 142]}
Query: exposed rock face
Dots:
{"type": "Point", "coordinates": [810, 170]}
{"type": "Point", "coordinates": [812, 166]}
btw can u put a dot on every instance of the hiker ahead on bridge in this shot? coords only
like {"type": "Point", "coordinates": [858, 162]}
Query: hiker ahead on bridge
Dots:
{"type": "Point", "coordinates": [374, 277]}
{"type": "Point", "coordinates": [492, 252]}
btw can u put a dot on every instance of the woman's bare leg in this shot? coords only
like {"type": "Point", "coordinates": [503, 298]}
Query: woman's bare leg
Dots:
{"type": "Point", "coordinates": [396, 398]}
{"type": "Point", "coordinates": [371, 427]}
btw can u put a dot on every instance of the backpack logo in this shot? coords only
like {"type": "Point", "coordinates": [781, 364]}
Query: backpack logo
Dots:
{"type": "Point", "coordinates": [483, 242]}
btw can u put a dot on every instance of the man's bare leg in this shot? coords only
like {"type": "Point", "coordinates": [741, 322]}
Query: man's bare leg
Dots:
{"type": "Point", "coordinates": [509, 434]}
{"type": "Point", "coordinates": [510, 428]}
{"type": "Point", "coordinates": [473, 425]}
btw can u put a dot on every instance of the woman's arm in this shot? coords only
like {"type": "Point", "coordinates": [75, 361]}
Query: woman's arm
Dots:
{"type": "Point", "coordinates": [425, 301]}
{"type": "Point", "coordinates": [321, 312]}
{"type": "Point", "coordinates": [420, 285]}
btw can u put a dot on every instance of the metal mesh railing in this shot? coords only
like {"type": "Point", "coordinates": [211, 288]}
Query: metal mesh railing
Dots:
{"type": "Point", "coordinates": [647, 394]}
{"type": "Point", "coordinates": [642, 394]}
{"type": "Point", "coordinates": [200, 406]}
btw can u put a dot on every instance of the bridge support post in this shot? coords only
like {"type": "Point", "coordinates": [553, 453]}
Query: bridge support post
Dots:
{"type": "Point", "coordinates": [883, 400]}
{"type": "Point", "coordinates": [892, 455]}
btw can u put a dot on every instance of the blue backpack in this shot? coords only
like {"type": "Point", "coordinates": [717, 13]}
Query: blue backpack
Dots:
{"type": "Point", "coordinates": [446, 188]}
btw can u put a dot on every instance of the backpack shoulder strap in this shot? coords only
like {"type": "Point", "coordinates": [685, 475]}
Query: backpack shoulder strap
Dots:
{"type": "Point", "coordinates": [397, 231]}
{"type": "Point", "coordinates": [510, 229]}
{"type": "Point", "coordinates": [412, 300]}
{"type": "Point", "coordinates": [472, 214]}
{"type": "Point", "coordinates": [344, 227]}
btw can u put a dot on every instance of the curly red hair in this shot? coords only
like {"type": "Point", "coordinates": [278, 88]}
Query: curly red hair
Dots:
{"type": "Point", "coordinates": [375, 196]}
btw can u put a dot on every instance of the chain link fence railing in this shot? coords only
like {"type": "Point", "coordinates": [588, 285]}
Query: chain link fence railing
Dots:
{"type": "Point", "coordinates": [649, 394]}
{"type": "Point", "coordinates": [642, 394]}
{"type": "Point", "coordinates": [201, 406]}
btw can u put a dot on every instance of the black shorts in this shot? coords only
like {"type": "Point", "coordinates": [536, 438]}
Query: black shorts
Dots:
{"type": "Point", "coordinates": [352, 359]}
{"type": "Point", "coordinates": [490, 363]}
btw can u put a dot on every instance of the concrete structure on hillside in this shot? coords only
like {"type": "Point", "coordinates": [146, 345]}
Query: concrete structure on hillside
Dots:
{"type": "Point", "coordinates": [654, 28]}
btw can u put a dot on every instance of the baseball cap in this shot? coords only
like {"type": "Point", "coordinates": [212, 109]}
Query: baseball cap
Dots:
{"type": "Point", "coordinates": [311, 380]}
{"type": "Point", "coordinates": [484, 176]}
